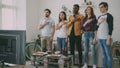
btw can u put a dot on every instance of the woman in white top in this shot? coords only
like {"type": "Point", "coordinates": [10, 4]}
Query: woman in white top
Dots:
{"type": "Point", "coordinates": [62, 31]}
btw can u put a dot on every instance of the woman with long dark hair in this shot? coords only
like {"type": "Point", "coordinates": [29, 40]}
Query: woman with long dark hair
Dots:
{"type": "Point", "coordinates": [62, 31]}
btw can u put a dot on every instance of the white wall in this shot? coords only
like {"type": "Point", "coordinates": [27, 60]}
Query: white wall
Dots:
{"type": "Point", "coordinates": [33, 15]}
{"type": "Point", "coordinates": [21, 15]}
{"type": "Point", "coordinates": [35, 12]}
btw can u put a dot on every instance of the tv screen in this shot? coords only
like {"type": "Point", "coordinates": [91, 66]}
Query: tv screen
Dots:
{"type": "Point", "coordinates": [12, 46]}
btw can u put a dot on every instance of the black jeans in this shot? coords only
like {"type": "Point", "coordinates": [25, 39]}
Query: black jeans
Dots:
{"type": "Point", "coordinates": [76, 40]}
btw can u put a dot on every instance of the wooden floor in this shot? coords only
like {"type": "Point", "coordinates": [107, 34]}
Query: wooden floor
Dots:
{"type": "Point", "coordinates": [28, 65]}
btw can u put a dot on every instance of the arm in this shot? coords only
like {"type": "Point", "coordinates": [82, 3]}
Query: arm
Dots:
{"type": "Point", "coordinates": [52, 29]}
{"type": "Point", "coordinates": [95, 31]}
{"type": "Point", "coordinates": [95, 37]}
{"type": "Point", "coordinates": [82, 18]}
{"type": "Point", "coordinates": [69, 22]}
{"type": "Point", "coordinates": [97, 24]}
{"type": "Point", "coordinates": [53, 32]}
{"type": "Point", "coordinates": [92, 21]}
{"type": "Point", "coordinates": [67, 38]}
{"type": "Point", "coordinates": [110, 24]}
{"type": "Point", "coordinates": [43, 25]}
{"type": "Point", "coordinates": [88, 21]}
{"type": "Point", "coordinates": [110, 27]}
{"type": "Point", "coordinates": [58, 26]}
{"type": "Point", "coordinates": [102, 20]}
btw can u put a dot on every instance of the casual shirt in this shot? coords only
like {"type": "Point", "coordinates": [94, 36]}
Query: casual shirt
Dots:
{"type": "Point", "coordinates": [91, 25]}
{"type": "Point", "coordinates": [62, 32]}
{"type": "Point", "coordinates": [76, 25]}
{"type": "Point", "coordinates": [105, 28]}
{"type": "Point", "coordinates": [46, 31]}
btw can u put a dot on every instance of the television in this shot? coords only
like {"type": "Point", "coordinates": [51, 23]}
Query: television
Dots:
{"type": "Point", "coordinates": [12, 46]}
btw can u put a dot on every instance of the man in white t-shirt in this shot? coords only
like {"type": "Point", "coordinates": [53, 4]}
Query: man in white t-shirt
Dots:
{"type": "Point", "coordinates": [104, 33]}
{"type": "Point", "coordinates": [47, 27]}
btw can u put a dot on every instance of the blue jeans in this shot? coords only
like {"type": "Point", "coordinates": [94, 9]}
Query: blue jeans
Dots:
{"type": "Point", "coordinates": [88, 42]}
{"type": "Point", "coordinates": [61, 42]}
{"type": "Point", "coordinates": [106, 54]}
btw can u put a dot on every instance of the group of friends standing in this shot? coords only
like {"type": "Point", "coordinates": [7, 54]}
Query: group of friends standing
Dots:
{"type": "Point", "coordinates": [72, 28]}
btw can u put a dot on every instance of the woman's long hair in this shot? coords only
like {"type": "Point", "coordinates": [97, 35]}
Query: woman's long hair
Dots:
{"type": "Point", "coordinates": [65, 18]}
{"type": "Point", "coordinates": [92, 12]}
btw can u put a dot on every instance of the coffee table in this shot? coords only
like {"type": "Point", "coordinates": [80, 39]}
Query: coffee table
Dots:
{"type": "Point", "coordinates": [39, 55]}
{"type": "Point", "coordinates": [59, 60]}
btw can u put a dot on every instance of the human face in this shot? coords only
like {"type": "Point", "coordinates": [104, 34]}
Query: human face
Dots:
{"type": "Point", "coordinates": [62, 16]}
{"type": "Point", "coordinates": [103, 9]}
{"type": "Point", "coordinates": [46, 13]}
{"type": "Point", "coordinates": [88, 11]}
{"type": "Point", "coordinates": [75, 10]}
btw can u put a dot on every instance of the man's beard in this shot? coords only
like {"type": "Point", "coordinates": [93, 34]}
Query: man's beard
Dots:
{"type": "Point", "coordinates": [75, 12]}
{"type": "Point", "coordinates": [46, 15]}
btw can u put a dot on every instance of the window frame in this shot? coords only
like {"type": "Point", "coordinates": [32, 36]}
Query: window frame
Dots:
{"type": "Point", "coordinates": [11, 7]}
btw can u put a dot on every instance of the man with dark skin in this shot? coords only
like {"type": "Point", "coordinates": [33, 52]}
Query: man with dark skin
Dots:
{"type": "Point", "coordinates": [75, 32]}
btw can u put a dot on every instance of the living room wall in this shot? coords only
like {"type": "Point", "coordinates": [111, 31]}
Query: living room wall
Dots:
{"type": "Point", "coordinates": [35, 13]}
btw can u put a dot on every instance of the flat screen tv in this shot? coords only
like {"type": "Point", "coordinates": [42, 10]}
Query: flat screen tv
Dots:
{"type": "Point", "coordinates": [12, 46]}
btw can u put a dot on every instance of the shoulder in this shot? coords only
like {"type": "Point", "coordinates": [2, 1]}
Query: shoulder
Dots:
{"type": "Point", "coordinates": [51, 19]}
{"type": "Point", "coordinates": [99, 16]}
{"type": "Point", "coordinates": [71, 16]}
{"type": "Point", "coordinates": [42, 19]}
{"type": "Point", "coordinates": [109, 15]}
{"type": "Point", "coordinates": [94, 18]}
{"type": "Point", "coordinates": [81, 16]}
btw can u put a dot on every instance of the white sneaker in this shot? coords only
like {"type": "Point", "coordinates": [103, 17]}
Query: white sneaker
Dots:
{"type": "Point", "coordinates": [94, 66]}
{"type": "Point", "coordinates": [85, 66]}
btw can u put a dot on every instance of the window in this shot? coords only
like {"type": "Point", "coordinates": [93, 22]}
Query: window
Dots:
{"type": "Point", "coordinates": [8, 13]}
{"type": "Point", "coordinates": [8, 2]}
